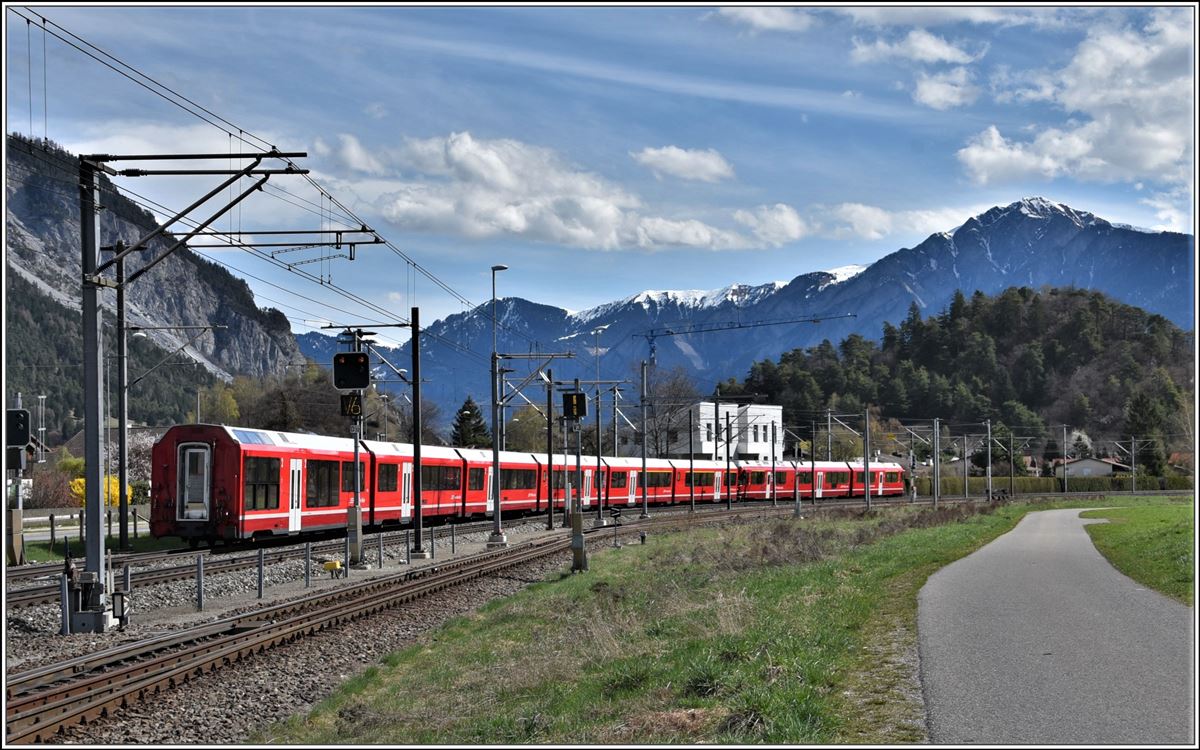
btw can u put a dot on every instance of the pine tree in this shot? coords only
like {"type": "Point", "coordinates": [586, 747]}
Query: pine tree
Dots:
{"type": "Point", "coordinates": [470, 431]}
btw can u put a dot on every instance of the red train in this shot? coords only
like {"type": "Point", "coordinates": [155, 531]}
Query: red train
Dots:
{"type": "Point", "coordinates": [211, 482]}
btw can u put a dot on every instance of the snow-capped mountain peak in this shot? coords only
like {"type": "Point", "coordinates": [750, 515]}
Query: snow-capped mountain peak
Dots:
{"type": "Point", "coordinates": [693, 299]}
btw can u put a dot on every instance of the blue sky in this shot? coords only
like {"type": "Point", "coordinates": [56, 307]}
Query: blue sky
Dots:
{"type": "Point", "coordinates": [599, 152]}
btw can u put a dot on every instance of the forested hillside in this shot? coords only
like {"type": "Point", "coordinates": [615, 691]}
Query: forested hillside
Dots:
{"type": "Point", "coordinates": [43, 356]}
{"type": "Point", "coordinates": [1023, 358]}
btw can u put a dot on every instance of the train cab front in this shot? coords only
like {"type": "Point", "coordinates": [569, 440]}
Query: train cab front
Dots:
{"type": "Point", "coordinates": [183, 486]}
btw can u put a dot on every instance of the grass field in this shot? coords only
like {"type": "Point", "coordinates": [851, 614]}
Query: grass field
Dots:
{"type": "Point", "coordinates": [778, 632]}
{"type": "Point", "coordinates": [1153, 545]}
{"type": "Point", "coordinates": [40, 552]}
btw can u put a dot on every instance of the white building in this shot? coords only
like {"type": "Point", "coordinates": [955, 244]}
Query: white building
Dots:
{"type": "Point", "coordinates": [753, 426]}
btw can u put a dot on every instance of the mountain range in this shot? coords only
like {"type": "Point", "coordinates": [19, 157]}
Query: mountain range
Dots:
{"type": "Point", "coordinates": [1033, 242]}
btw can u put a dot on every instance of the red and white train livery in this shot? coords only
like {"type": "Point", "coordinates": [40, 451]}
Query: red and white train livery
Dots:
{"type": "Point", "coordinates": [211, 482]}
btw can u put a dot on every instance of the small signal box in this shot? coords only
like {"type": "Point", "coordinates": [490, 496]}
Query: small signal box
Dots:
{"type": "Point", "coordinates": [574, 405]}
{"type": "Point", "coordinates": [351, 371]}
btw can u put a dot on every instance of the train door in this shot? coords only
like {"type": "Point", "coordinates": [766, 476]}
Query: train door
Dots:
{"type": "Point", "coordinates": [717, 485]}
{"type": "Point", "coordinates": [194, 487]}
{"type": "Point", "coordinates": [633, 483]}
{"type": "Point", "coordinates": [295, 487]}
{"type": "Point", "coordinates": [489, 510]}
{"type": "Point", "coordinates": [818, 484]}
{"type": "Point", "coordinates": [587, 487]}
{"type": "Point", "coordinates": [406, 493]}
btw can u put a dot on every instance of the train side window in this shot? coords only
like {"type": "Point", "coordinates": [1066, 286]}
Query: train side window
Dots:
{"type": "Point", "coordinates": [730, 479]}
{"type": "Point", "coordinates": [388, 474]}
{"type": "Point", "coordinates": [620, 480]}
{"type": "Point", "coordinates": [260, 489]}
{"type": "Point", "coordinates": [475, 479]}
{"type": "Point", "coordinates": [348, 476]}
{"type": "Point", "coordinates": [517, 479]}
{"type": "Point", "coordinates": [704, 479]}
{"type": "Point", "coordinates": [804, 477]}
{"type": "Point", "coordinates": [758, 477]}
{"type": "Point", "coordinates": [891, 477]}
{"type": "Point", "coordinates": [858, 477]}
{"type": "Point", "coordinates": [322, 484]}
{"type": "Point", "coordinates": [440, 478]}
{"type": "Point", "coordinates": [781, 477]}
{"type": "Point", "coordinates": [657, 478]}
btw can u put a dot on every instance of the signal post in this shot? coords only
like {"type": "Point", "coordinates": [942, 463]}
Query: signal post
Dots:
{"type": "Point", "coordinates": [352, 372]}
{"type": "Point", "coordinates": [574, 410]}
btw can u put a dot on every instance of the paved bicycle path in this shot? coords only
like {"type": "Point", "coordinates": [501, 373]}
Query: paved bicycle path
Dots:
{"type": "Point", "coordinates": [1036, 638]}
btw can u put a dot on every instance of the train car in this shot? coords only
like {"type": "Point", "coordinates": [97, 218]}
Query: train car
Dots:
{"type": "Point", "coordinates": [211, 482]}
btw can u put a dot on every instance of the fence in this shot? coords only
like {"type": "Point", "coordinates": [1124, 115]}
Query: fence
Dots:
{"type": "Point", "coordinates": [1045, 485]}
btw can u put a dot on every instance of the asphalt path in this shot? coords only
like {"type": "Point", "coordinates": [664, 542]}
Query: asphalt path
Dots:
{"type": "Point", "coordinates": [1037, 639]}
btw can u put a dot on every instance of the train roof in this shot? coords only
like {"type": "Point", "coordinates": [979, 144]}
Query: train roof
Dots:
{"type": "Point", "coordinates": [311, 441]}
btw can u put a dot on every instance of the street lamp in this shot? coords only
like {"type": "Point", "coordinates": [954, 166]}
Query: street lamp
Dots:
{"type": "Point", "coordinates": [497, 539]}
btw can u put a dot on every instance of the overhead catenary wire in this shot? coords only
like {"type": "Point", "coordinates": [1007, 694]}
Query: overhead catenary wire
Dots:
{"type": "Point", "coordinates": [212, 118]}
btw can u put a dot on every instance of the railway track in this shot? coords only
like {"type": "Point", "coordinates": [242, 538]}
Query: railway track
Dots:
{"type": "Point", "coordinates": [222, 563]}
{"type": "Point", "coordinates": [42, 701]}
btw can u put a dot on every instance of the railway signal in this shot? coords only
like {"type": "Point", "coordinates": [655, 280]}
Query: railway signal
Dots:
{"type": "Point", "coordinates": [16, 430]}
{"type": "Point", "coordinates": [351, 371]}
{"type": "Point", "coordinates": [575, 405]}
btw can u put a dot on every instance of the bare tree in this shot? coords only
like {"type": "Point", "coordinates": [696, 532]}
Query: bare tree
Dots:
{"type": "Point", "coordinates": [669, 396]}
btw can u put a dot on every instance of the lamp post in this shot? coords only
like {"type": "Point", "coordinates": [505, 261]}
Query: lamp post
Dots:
{"type": "Point", "coordinates": [497, 539]}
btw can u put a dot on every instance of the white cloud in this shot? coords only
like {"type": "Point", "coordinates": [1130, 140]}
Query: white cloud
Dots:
{"type": "Point", "coordinates": [918, 46]}
{"type": "Point", "coordinates": [654, 232]}
{"type": "Point", "coordinates": [1173, 209]}
{"type": "Point", "coordinates": [775, 225]}
{"type": "Point", "coordinates": [941, 91]}
{"type": "Point", "coordinates": [355, 157]}
{"type": "Point", "coordinates": [768, 19]}
{"type": "Point", "coordinates": [881, 16]}
{"type": "Point", "coordinates": [485, 188]}
{"type": "Point", "coordinates": [1133, 90]}
{"type": "Point", "coordinates": [688, 164]}
{"type": "Point", "coordinates": [858, 220]}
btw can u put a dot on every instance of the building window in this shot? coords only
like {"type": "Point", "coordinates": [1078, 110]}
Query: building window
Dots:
{"type": "Point", "coordinates": [261, 488]}
{"type": "Point", "coordinates": [708, 427]}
